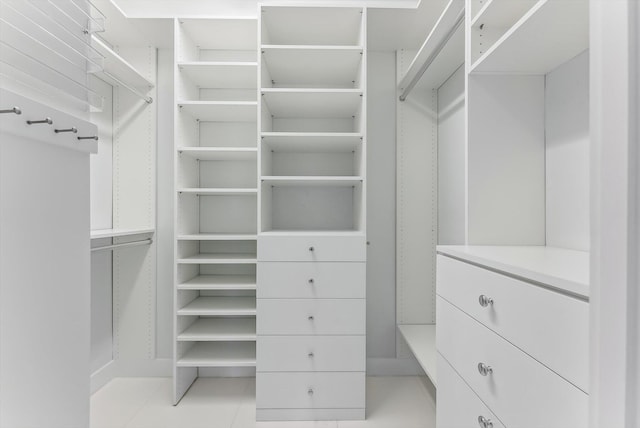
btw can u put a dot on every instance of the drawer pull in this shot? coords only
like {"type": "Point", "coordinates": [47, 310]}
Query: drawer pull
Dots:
{"type": "Point", "coordinates": [484, 369]}
{"type": "Point", "coordinates": [311, 281]}
{"type": "Point", "coordinates": [485, 301]}
{"type": "Point", "coordinates": [14, 110]}
{"type": "Point", "coordinates": [484, 422]}
{"type": "Point", "coordinates": [310, 317]}
{"type": "Point", "coordinates": [310, 354]}
{"type": "Point", "coordinates": [311, 249]}
{"type": "Point", "coordinates": [310, 391]}
{"type": "Point", "coordinates": [73, 130]}
{"type": "Point", "coordinates": [46, 120]}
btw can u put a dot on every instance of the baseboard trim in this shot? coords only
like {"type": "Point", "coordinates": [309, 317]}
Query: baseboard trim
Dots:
{"type": "Point", "coordinates": [102, 376]}
{"type": "Point", "coordinates": [161, 367]}
{"type": "Point", "coordinates": [393, 367]}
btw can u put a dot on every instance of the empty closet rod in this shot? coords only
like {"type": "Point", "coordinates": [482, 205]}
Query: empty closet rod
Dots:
{"type": "Point", "coordinates": [124, 244]}
{"type": "Point", "coordinates": [443, 42]}
{"type": "Point", "coordinates": [147, 99]}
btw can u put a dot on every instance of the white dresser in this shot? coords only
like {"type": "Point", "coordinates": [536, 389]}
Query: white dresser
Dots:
{"type": "Point", "coordinates": [512, 337]}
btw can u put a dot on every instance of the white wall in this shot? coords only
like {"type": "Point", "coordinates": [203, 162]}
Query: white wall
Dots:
{"type": "Point", "coordinates": [567, 154]}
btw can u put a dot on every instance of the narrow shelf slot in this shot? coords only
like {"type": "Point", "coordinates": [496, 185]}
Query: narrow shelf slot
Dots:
{"type": "Point", "coordinates": [313, 103]}
{"type": "Point", "coordinates": [332, 181]}
{"type": "Point", "coordinates": [237, 354]}
{"type": "Point", "coordinates": [219, 283]}
{"type": "Point", "coordinates": [220, 330]}
{"type": "Point", "coordinates": [115, 65]}
{"type": "Point", "coordinates": [218, 237]}
{"type": "Point", "coordinates": [116, 233]}
{"type": "Point", "coordinates": [212, 258]}
{"type": "Point", "coordinates": [218, 191]}
{"type": "Point", "coordinates": [219, 306]}
{"type": "Point", "coordinates": [312, 142]}
{"type": "Point", "coordinates": [219, 153]}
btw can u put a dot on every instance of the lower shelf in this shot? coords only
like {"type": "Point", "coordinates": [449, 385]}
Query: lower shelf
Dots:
{"type": "Point", "coordinates": [421, 339]}
{"type": "Point", "coordinates": [220, 282]}
{"type": "Point", "coordinates": [220, 330]}
{"type": "Point", "coordinates": [219, 355]}
{"type": "Point", "coordinates": [220, 306]}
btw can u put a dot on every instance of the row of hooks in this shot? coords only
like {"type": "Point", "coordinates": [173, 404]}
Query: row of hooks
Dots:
{"type": "Point", "coordinates": [47, 121]}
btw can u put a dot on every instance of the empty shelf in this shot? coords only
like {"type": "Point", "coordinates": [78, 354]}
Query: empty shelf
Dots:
{"type": "Point", "coordinates": [220, 330]}
{"type": "Point", "coordinates": [218, 237]}
{"type": "Point", "coordinates": [333, 181]}
{"type": "Point", "coordinates": [219, 153]}
{"type": "Point", "coordinates": [219, 355]}
{"type": "Point", "coordinates": [221, 111]}
{"type": "Point", "coordinates": [115, 233]}
{"type": "Point", "coordinates": [313, 103]}
{"type": "Point", "coordinates": [217, 191]}
{"type": "Point", "coordinates": [315, 142]}
{"type": "Point", "coordinates": [220, 282]}
{"type": "Point", "coordinates": [221, 74]}
{"type": "Point", "coordinates": [118, 67]}
{"type": "Point", "coordinates": [220, 306]}
{"type": "Point", "coordinates": [219, 259]}
{"type": "Point", "coordinates": [421, 339]}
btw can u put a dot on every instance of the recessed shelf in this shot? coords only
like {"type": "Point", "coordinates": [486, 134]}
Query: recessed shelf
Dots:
{"type": "Point", "coordinates": [217, 191]}
{"type": "Point", "coordinates": [206, 258]}
{"type": "Point", "coordinates": [221, 111]}
{"type": "Point", "coordinates": [236, 33]}
{"type": "Point", "coordinates": [312, 142]}
{"type": "Point", "coordinates": [219, 306]}
{"type": "Point", "coordinates": [219, 153]}
{"type": "Point", "coordinates": [205, 354]}
{"type": "Point", "coordinates": [332, 181]}
{"type": "Point", "coordinates": [217, 237]}
{"type": "Point", "coordinates": [118, 67]}
{"type": "Point", "coordinates": [218, 74]}
{"type": "Point", "coordinates": [314, 103]}
{"type": "Point", "coordinates": [220, 282]}
{"type": "Point", "coordinates": [313, 66]}
{"type": "Point", "coordinates": [220, 330]}
{"type": "Point", "coordinates": [421, 339]}
{"type": "Point", "coordinates": [116, 233]}
{"type": "Point", "coordinates": [549, 34]}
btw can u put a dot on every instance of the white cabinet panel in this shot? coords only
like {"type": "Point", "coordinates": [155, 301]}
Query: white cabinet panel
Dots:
{"type": "Point", "coordinates": [312, 248]}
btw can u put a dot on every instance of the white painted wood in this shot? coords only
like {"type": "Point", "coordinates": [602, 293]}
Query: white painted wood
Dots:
{"type": "Point", "coordinates": [212, 74]}
{"type": "Point", "coordinates": [567, 154]}
{"type": "Point", "coordinates": [551, 327]}
{"type": "Point", "coordinates": [311, 317]}
{"type": "Point", "coordinates": [217, 237]}
{"type": "Point", "coordinates": [458, 405]}
{"type": "Point", "coordinates": [218, 192]}
{"type": "Point", "coordinates": [219, 153]}
{"type": "Point", "coordinates": [119, 233]}
{"type": "Point", "coordinates": [219, 306]}
{"type": "Point", "coordinates": [213, 354]}
{"type": "Point", "coordinates": [219, 282]}
{"type": "Point", "coordinates": [312, 248]}
{"type": "Point", "coordinates": [235, 33]}
{"type": "Point", "coordinates": [225, 134]}
{"type": "Point", "coordinates": [211, 258]}
{"type": "Point", "coordinates": [421, 339]}
{"type": "Point", "coordinates": [311, 354]}
{"type": "Point", "coordinates": [310, 280]}
{"type": "Point", "coordinates": [220, 330]}
{"type": "Point", "coordinates": [291, 390]}
{"type": "Point", "coordinates": [547, 399]}
{"type": "Point", "coordinates": [225, 111]}
{"type": "Point", "coordinates": [311, 181]}
{"type": "Point", "coordinates": [315, 103]}
{"type": "Point", "coordinates": [116, 66]}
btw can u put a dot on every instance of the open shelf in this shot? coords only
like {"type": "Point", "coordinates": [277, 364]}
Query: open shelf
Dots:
{"type": "Point", "coordinates": [316, 103]}
{"type": "Point", "coordinates": [217, 237]}
{"type": "Point", "coordinates": [311, 232]}
{"type": "Point", "coordinates": [117, 233]}
{"type": "Point", "coordinates": [205, 354]}
{"type": "Point", "coordinates": [220, 330]}
{"type": "Point", "coordinates": [219, 153]}
{"type": "Point", "coordinates": [332, 181]}
{"type": "Point", "coordinates": [312, 142]}
{"type": "Point", "coordinates": [220, 306]}
{"type": "Point", "coordinates": [221, 111]}
{"type": "Point", "coordinates": [220, 282]}
{"type": "Point", "coordinates": [211, 258]}
{"type": "Point", "coordinates": [118, 67]}
{"type": "Point", "coordinates": [421, 339]}
{"type": "Point", "coordinates": [312, 66]}
{"type": "Point", "coordinates": [228, 34]}
{"type": "Point", "coordinates": [218, 191]}
{"type": "Point", "coordinates": [549, 34]}
{"type": "Point", "coordinates": [501, 13]}
{"type": "Point", "coordinates": [219, 74]}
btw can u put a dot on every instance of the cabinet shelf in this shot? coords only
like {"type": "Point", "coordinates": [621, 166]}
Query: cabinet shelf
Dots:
{"type": "Point", "coordinates": [237, 354]}
{"type": "Point", "coordinates": [312, 142]}
{"type": "Point", "coordinates": [421, 339]}
{"type": "Point", "coordinates": [219, 153]}
{"type": "Point", "coordinates": [220, 306]}
{"type": "Point", "coordinates": [313, 103]}
{"type": "Point", "coordinates": [210, 259]}
{"type": "Point", "coordinates": [217, 191]}
{"type": "Point", "coordinates": [218, 237]}
{"type": "Point", "coordinates": [117, 233]}
{"type": "Point", "coordinates": [501, 13]}
{"type": "Point", "coordinates": [118, 67]}
{"type": "Point", "coordinates": [221, 111]}
{"type": "Point", "coordinates": [220, 330]}
{"type": "Point", "coordinates": [220, 74]}
{"type": "Point", "coordinates": [331, 181]}
{"type": "Point", "coordinates": [221, 34]}
{"type": "Point", "coordinates": [220, 282]}
{"type": "Point", "coordinates": [549, 34]}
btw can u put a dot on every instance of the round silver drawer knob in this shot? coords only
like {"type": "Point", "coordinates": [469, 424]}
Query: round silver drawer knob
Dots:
{"type": "Point", "coordinates": [310, 317]}
{"type": "Point", "coordinates": [311, 281]}
{"type": "Point", "coordinates": [310, 391]}
{"type": "Point", "coordinates": [310, 354]}
{"type": "Point", "coordinates": [484, 422]}
{"type": "Point", "coordinates": [485, 301]}
{"type": "Point", "coordinates": [311, 248]}
{"type": "Point", "coordinates": [484, 369]}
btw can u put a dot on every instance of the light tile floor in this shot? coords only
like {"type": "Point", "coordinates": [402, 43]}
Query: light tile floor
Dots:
{"type": "Point", "coordinates": [392, 402]}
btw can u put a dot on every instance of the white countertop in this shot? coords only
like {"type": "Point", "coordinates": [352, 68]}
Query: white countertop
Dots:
{"type": "Point", "coordinates": [559, 268]}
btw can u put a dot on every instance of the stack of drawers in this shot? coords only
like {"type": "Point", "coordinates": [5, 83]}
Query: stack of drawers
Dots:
{"type": "Point", "coordinates": [311, 325]}
{"type": "Point", "coordinates": [510, 353]}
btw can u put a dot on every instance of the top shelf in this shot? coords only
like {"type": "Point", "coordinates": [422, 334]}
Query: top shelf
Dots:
{"type": "Point", "coordinates": [117, 233]}
{"type": "Point", "coordinates": [118, 67]}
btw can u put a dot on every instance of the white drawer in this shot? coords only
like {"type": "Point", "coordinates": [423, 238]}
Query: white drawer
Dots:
{"type": "Point", "coordinates": [310, 390]}
{"type": "Point", "coordinates": [312, 248]}
{"type": "Point", "coordinates": [520, 391]}
{"type": "Point", "coordinates": [311, 353]}
{"type": "Point", "coordinates": [309, 280]}
{"type": "Point", "coordinates": [311, 317]}
{"type": "Point", "coordinates": [550, 326]}
{"type": "Point", "coordinates": [457, 405]}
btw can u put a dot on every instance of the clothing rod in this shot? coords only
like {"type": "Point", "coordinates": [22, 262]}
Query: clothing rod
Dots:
{"type": "Point", "coordinates": [124, 244]}
{"type": "Point", "coordinates": [433, 56]}
{"type": "Point", "coordinates": [147, 99]}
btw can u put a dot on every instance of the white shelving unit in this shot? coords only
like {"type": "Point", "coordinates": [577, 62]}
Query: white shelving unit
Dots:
{"type": "Point", "coordinates": [118, 233]}
{"type": "Point", "coordinates": [421, 339]}
{"type": "Point", "coordinates": [116, 66]}
{"type": "Point", "coordinates": [216, 197]}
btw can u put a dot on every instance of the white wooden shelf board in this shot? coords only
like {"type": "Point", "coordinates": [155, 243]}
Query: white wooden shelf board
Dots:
{"type": "Point", "coordinates": [560, 268]}
{"type": "Point", "coordinates": [421, 339]}
{"type": "Point", "coordinates": [220, 282]}
{"type": "Point", "coordinates": [312, 142]}
{"type": "Point", "coordinates": [233, 33]}
{"type": "Point", "coordinates": [207, 354]}
{"type": "Point", "coordinates": [218, 191]}
{"type": "Point", "coordinates": [501, 13]}
{"type": "Point", "coordinates": [227, 75]}
{"type": "Point", "coordinates": [312, 180]}
{"type": "Point", "coordinates": [332, 233]}
{"type": "Point", "coordinates": [221, 111]}
{"type": "Point", "coordinates": [218, 237]}
{"type": "Point", "coordinates": [551, 33]}
{"type": "Point", "coordinates": [118, 67]}
{"type": "Point", "coordinates": [319, 66]}
{"type": "Point", "coordinates": [316, 103]}
{"type": "Point", "coordinates": [220, 306]}
{"type": "Point", "coordinates": [220, 153]}
{"type": "Point", "coordinates": [116, 233]}
{"type": "Point", "coordinates": [207, 258]}
{"type": "Point", "coordinates": [220, 330]}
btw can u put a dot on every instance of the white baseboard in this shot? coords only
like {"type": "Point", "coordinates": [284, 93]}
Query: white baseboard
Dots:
{"type": "Point", "coordinates": [161, 367]}
{"type": "Point", "coordinates": [102, 376]}
{"type": "Point", "coordinates": [393, 367]}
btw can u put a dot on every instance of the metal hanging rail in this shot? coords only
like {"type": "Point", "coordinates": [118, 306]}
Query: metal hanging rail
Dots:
{"type": "Point", "coordinates": [123, 245]}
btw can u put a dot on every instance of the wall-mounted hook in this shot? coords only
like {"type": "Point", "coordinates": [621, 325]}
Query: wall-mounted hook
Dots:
{"type": "Point", "coordinates": [14, 110]}
{"type": "Point", "coordinates": [46, 120]}
{"type": "Point", "coordinates": [93, 137]}
{"type": "Point", "coordinates": [58, 131]}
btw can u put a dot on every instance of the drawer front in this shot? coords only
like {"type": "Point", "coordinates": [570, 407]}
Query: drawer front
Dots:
{"type": "Point", "coordinates": [551, 327]}
{"type": "Point", "coordinates": [310, 390]}
{"type": "Point", "coordinates": [311, 317]}
{"type": "Point", "coordinates": [311, 353]}
{"type": "Point", "coordinates": [312, 248]}
{"type": "Point", "coordinates": [519, 390]}
{"type": "Point", "coordinates": [457, 405]}
{"type": "Point", "coordinates": [307, 280]}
